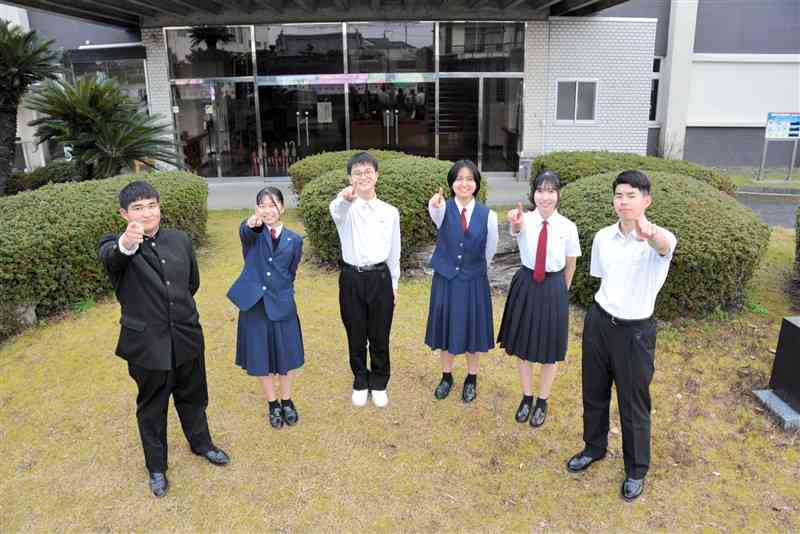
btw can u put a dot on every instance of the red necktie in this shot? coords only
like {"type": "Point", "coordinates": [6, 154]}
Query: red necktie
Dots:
{"type": "Point", "coordinates": [464, 219]}
{"type": "Point", "coordinates": [541, 254]}
{"type": "Point", "coordinates": [273, 233]}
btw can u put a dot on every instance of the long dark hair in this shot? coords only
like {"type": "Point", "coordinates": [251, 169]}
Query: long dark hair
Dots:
{"type": "Point", "coordinates": [453, 174]}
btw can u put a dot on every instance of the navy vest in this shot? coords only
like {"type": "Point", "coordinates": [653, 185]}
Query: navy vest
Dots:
{"type": "Point", "coordinates": [460, 253]}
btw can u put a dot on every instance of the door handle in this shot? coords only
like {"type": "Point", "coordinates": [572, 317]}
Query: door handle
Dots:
{"type": "Point", "coordinates": [386, 119]}
{"type": "Point", "coordinates": [297, 114]}
{"type": "Point", "coordinates": [396, 127]}
{"type": "Point", "coordinates": [308, 143]}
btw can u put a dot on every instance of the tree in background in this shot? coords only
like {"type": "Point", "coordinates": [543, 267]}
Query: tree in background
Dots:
{"type": "Point", "coordinates": [104, 127]}
{"type": "Point", "coordinates": [24, 60]}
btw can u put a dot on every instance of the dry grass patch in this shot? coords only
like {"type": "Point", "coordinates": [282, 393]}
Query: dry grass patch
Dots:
{"type": "Point", "coordinates": [73, 461]}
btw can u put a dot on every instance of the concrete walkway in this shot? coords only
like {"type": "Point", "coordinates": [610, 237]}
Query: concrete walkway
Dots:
{"type": "Point", "coordinates": [231, 193]}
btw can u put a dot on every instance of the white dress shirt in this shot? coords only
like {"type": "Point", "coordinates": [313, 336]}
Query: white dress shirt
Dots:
{"type": "Point", "coordinates": [278, 229]}
{"type": "Point", "coordinates": [631, 272]}
{"type": "Point", "coordinates": [437, 215]}
{"type": "Point", "coordinates": [369, 232]}
{"type": "Point", "coordinates": [562, 240]}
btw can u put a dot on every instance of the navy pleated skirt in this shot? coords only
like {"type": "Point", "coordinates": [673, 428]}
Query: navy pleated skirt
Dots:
{"type": "Point", "coordinates": [265, 347]}
{"type": "Point", "coordinates": [535, 324]}
{"type": "Point", "coordinates": [460, 315]}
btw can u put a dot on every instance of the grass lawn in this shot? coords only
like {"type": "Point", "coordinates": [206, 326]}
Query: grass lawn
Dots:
{"type": "Point", "coordinates": [773, 178]}
{"type": "Point", "coordinates": [72, 459]}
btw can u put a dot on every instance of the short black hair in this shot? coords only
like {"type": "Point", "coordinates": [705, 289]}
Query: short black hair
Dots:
{"type": "Point", "coordinates": [454, 170]}
{"type": "Point", "coordinates": [636, 179]}
{"type": "Point", "coordinates": [362, 158]}
{"type": "Point", "coordinates": [138, 190]}
{"type": "Point", "coordinates": [274, 194]}
{"type": "Point", "coordinates": [545, 177]}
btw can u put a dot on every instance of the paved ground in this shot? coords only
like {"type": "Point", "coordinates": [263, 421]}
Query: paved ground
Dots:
{"type": "Point", "coordinates": [226, 193]}
{"type": "Point", "coordinates": [241, 192]}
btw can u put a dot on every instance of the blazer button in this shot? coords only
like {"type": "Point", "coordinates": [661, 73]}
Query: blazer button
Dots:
{"type": "Point", "coordinates": [167, 282]}
{"type": "Point", "coordinates": [458, 268]}
{"type": "Point", "coordinates": [461, 244]}
{"type": "Point", "coordinates": [270, 259]}
{"type": "Point", "coordinates": [269, 273]}
{"type": "Point", "coordinates": [263, 288]}
{"type": "Point", "coordinates": [459, 256]}
{"type": "Point", "coordinates": [163, 261]}
{"type": "Point", "coordinates": [152, 243]}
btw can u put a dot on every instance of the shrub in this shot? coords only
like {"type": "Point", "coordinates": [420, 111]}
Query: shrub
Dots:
{"type": "Point", "coordinates": [573, 166]}
{"type": "Point", "coordinates": [55, 172]}
{"type": "Point", "coordinates": [720, 242]}
{"type": "Point", "coordinates": [797, 248]}
{"type": "Point", "coordinates": [312, 167]}
{"type": "Point", "coordinates": [406, 183]}
{"type": "Point", "coordinates": [48, 243]}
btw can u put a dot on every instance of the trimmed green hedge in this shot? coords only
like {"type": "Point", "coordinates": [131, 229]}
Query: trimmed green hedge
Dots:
{"type": "Point", "coordinates": [48, 242]}
{"type": "Point", "coordinates": [720, 242]}
{"type": "Point", "coordinates": [573, 166]}
{"type": "Point", "coordinates": [309, 168]}
{"type": "Point", "coordinates": [56, 172]}
{"type": "Point", "coordinates": [406, 183]}
{"type": "Point", "coordinates": [797, 247]}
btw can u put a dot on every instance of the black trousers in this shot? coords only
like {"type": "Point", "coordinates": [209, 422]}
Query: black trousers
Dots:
{"type": "Point", "coordinates": [366, 302]}
{"type": "Point", "coordinates": [187, 385]}
{"type": "Point", "coordinates": [625, 355]}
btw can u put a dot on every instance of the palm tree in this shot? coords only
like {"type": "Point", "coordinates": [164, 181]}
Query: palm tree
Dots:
{"type": "Point", "coordinates": [24, 61]}
{"type": "Point", "coordinates": [104, 127]}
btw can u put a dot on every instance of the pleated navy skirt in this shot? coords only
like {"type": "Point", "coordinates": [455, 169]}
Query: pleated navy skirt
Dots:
{"type": "Point", "coordinates": [460, 315]}
{"type": "Point", "coordinates": [265, 347]}
{"type": "Point", "coordinates": [535, 324]}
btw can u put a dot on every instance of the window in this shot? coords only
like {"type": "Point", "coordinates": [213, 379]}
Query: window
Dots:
{"type": "Point", "coordinates": [575, 101]}
{"type": "Point", "coordinates": [654, 81]}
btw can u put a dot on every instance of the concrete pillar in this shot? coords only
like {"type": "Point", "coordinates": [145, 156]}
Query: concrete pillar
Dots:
{"type": "Point", "coordinates": [676, 77]}
{"type": "Point", "coordinates": [159, 95]}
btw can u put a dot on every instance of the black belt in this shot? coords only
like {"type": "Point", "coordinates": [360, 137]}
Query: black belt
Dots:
{"type": "Point", "coordinates": [363, 268]}
{"type": "Point", "coordinates": [616, 321]}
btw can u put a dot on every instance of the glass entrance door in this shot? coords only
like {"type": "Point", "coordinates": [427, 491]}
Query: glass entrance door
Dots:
{"type": "Point", "coordinates": [393, 116]}
{"type": "Point", "coordinates": [298, 121]}
{"type": "Point", "coordinates": [216, 125]}
{"type": "Point", "coordinates": [458, 119]}
{"type": "Point", "coordinates": [502, 116]}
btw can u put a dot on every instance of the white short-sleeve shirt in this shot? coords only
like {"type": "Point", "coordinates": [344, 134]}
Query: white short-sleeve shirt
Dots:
{"type": "Point", "coordinates": [562, 240]}
{"type": "Point", "coordinates": [631, 272]}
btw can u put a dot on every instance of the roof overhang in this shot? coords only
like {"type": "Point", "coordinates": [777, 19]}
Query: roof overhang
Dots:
{"type": "Point", "coordinates": [136, 14]}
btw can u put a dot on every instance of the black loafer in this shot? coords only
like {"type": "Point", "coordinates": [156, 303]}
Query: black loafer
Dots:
{"type": "Point", "coordinates": [275, 417]}
{"type": "Point", "coordinates": [539, 415]}
{"type": "Point", "coordinates": [159, 484]}
{"type": "Point", "coordinates": [215, 456]}
{"type": "Point", "coordinates": [469, 393]}
{"type": "Point", "coordinates": [290, 415]}
{"type": "Point", "coordinates": [523, 412]}
{"type": "Point", "coordinates": [581, 461]}
{"type": "Point", "coordinates": [442, 390]}
{"type": "Point", "coordinates": [632, 488]}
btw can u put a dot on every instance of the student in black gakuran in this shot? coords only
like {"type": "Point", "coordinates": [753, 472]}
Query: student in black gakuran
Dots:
{"type": "Point", "coordinates": [631, 258]}
{"type": "Point", "coordinates": [155, 277]}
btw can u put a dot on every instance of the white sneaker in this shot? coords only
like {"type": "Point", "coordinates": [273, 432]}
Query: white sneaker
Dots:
{"type": "Point", "coordinates": [360, 397]}
{"type": "Point", "coordinates": [379, 398]}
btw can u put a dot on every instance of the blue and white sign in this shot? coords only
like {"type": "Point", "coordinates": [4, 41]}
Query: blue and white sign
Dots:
{"type": "Point", "coordinates": [783, 126]}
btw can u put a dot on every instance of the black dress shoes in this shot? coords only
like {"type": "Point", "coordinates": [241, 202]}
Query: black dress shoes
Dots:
{"type": "Point", "coordinates": [442, 390]}
{"type": "Point", "coordinates": [632, 488]}
{"type": "Point", "coordinates": [470, 392]}
{"type": "Point", "coordinates": [275, 416]}
{"type": "Point", "coordinates": [290, 415]}
{"type": "Point", "coordinates": [581, 461]}
{"type": "Point", "coordinates": [215, 456]}
{"type": "Point", "coordinates": [539, 415]}
{"type": "Point", "coordinates": [523, 412]}
{"type": "Point", "coordinates": [159, 484]}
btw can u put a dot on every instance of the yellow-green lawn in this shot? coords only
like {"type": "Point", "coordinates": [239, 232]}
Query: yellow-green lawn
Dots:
{"type": "Point", "coordinates": [72, 459]}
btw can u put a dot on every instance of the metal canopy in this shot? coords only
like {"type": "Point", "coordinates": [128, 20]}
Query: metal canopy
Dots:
{"type": "Point", "coordinates": [136, 14]}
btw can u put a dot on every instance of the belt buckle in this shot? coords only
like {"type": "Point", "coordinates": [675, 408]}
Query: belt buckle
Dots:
{"type": "Point", "coordinates": [359, 269]}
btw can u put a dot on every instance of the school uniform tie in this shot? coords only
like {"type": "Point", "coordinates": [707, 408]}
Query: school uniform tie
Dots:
{"type": "Point", "coordinates": [273, 233]}
{"type": "Point", "coordinates": [464, 219]}
{"type": "Point", "coordinates": [541, 255]}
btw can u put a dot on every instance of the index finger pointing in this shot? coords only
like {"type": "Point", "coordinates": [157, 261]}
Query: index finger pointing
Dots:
{"type": "Point", "coordinates": [441, 191]}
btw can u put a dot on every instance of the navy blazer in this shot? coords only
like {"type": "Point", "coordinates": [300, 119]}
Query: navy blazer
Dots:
{"type": "Point", "coordinates": [267, 274]}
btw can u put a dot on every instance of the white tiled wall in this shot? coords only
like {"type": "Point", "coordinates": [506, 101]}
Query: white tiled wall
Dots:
{"type": "Point", "coordinates": [159, 98]}
{"type": "Point", "coordinates": [618, 53]}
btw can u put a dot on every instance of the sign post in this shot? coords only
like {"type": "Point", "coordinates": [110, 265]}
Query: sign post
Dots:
{"type": "Point", "coordinates": [781, 127]}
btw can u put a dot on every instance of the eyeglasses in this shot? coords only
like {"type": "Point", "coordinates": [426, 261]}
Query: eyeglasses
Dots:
{"type": "Point", "coordinates": [359, 174]}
